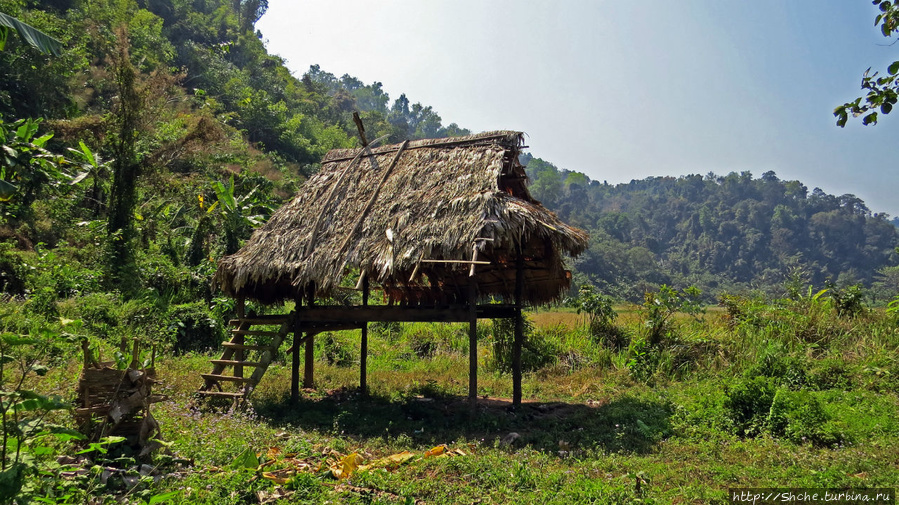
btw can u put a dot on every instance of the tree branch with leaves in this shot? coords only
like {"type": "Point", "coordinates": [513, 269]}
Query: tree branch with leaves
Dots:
{"type": "Point", "coordinates": [882, 91]}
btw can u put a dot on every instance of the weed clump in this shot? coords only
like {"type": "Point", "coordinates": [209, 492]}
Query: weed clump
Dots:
{"type": "Point", "coordinates": [537, 351]}
{"type": "Point", "coordinates": [798, 416]}
{"type": "Point", "coordinates": [335, 350]}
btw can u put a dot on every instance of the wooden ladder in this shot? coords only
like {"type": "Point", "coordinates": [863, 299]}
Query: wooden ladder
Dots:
{"type": "Point", "coordinates": [237, 353]}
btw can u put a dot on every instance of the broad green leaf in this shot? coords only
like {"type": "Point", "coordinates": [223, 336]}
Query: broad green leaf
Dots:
{"type": "Point", "coordinates": [246, 459]}
{"type": "Point", "coordinates": [101, 445]}
{"type": "Point", "coordinates": [34, 401]}
{"type": "Point", "coordinates": [34, 37]}
{"type": "Point", "coordinates": [14, 340]}
{"type": "Point", "coordinates": [7, 191]}
{"type": "Point", "coordinates": [78, 178]}
{"type": "Point", "coordinates": [40, 141]}
{"type": "Point", "coordinates": [87, 153]}
{"type": "Point", "coordinates": [11, 480]}
{"type": "Point", "coordinates": [893, 68]}
{"type": "Point", "coordinates": [65, 434]}
{"type": "Point", "coordinates": [164, 497]}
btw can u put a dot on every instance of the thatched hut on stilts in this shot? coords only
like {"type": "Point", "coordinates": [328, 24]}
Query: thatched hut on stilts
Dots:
{"type": "Point", "coordinates": [438, 225]}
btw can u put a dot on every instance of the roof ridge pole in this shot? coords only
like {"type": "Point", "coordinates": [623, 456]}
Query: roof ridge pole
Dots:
{"type": "Point", "coordinates": [519, 330]}
{"type": "Point", "coordinates": [360, 128]}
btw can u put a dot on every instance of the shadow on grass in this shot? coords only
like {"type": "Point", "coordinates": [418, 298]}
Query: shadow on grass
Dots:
{"type": "Point", "coordinates": [629, 424]}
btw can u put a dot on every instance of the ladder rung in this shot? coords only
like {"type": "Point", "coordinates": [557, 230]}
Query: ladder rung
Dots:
{"type": "Point", "coordinates": [220, 393]}
{"type": "Point", "coordinates": [234, 362]}
{"type": "Point", "coordinates": [264, 319]}
{"type": "Point", "coordinates": [229, 378]}
{"type": "Point", "coordinates": [258, 333]}
{"type": "Point", "coordinates": [248, 347]}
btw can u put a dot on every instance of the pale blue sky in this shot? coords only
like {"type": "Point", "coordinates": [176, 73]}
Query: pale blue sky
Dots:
{"type": "Point", "coordinates": [624, 90]}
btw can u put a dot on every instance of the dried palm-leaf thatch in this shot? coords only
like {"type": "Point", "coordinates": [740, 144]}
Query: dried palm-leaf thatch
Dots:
{"type": "Point", "coordinates": [397, 214]}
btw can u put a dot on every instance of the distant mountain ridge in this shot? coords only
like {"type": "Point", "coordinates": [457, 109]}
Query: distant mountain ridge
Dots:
{"type": "Point", "coordinates": [721, 233]}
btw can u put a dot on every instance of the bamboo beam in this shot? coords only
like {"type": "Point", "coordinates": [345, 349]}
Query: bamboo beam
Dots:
{"type": "Point", "coordinates": [239, 338]}
{"type": "Point", "coordinates": [387, 313]}
{"type": "Point", "coordinates": [461, 262]}
{"type": "Point", "coordinates": [327, 203]}
{"type": "Point", "coordinates": [374, 197]}
{"type": "Point", "coordinates": [360, 128]}
{"type": "Point", "coordinates": [295, 355]}
{"type": "Point", "coordinates": [363, 360]}
{"type": "Point", "coordinates": [309, 361]}
{"type": "Point", "coordinates": [519, 332]}
{"type": "Point", "coordinates": [472, 340]}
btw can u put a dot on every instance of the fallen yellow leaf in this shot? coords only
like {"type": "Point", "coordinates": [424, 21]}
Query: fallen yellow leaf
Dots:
{"type": "Point", "coordinates": [440, 450]}
{"type": "Point", "coordinates": [346, 466]}
{"type": "Point", "coordinates": [391, 462]}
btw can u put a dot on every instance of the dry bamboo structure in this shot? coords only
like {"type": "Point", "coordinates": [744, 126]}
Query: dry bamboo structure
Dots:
{"type": "Point", "coordinates": [436, 224]}
{"type": "Point", "coordinates": [405, 210]}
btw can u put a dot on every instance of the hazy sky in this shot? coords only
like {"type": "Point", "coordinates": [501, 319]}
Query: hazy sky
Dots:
{"type": "Point", "coordinates": [626, 89]}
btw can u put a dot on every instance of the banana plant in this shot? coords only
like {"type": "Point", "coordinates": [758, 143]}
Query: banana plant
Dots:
{"type": "Point", "coordinates": [239, 214]}
{"type": "Point", "coordinates": [34, 37]}
{"type": "Point", "coordinates": [94, 167]}
{"type": "Point", "coordinates": [26, 167]}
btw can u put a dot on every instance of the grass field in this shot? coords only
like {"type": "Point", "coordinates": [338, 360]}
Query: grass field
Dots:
{"type": "Point", "coordinates": [775, 396]}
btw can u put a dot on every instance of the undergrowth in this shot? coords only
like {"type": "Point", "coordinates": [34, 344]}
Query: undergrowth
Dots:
{"type": "Point", "coordinates": [759, 393]}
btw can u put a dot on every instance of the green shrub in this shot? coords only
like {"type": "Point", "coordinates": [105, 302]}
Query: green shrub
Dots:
{"type": "Point", "coordinates": [389, 330]}
{"type": "Point", "coordinates": [13, 270]}
{"type": "Point", "coordinates": [599, 311]}
{"type": "Point", "coordinates": [423, 341]}
{"type": "Point", "coordinates": [659, 307]}
{"type": "Point", "coordinates": [194, 328]}
{"type": "Point", "coordinates": [536, 351]}
{"type": "Point", "coordinates": [747, 403]}
{"type": "Point", "coordinates": [643, 358]}
{"type": "Point", "coordinates": [830, 373]}
{"type": "Point", "coordinates": [99, 311]}
{"type": "Point", "coordinates": [335, 350]}
{"type": "Point", "coordinates": [799, 417]}
{"type": "Point", "coordinates": [788, 371]}
{"type": "Point", "coordinates": [849, 302]}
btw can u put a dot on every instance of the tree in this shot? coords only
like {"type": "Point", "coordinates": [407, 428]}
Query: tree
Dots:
{"type": "Point", "coordinates": [126, 167]}
{"type": "Point", "coordinates": [883, 91]}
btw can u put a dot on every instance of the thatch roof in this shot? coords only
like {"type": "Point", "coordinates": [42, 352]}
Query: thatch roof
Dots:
{"type": "Point", "coordinates": [390, 211]}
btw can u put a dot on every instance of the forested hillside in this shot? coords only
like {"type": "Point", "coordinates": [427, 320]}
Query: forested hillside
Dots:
{"type": "Point", "coordinates": [721, 233]}
{"type": "Point", "coordinates": [156, 141]}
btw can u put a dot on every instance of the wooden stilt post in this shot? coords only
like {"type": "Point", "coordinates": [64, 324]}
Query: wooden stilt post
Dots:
{"type": "Point", "coordinates": [363, 360]}
{"type": "Point", "coordinates": [309, 365]}
{"type": "Point", "coordinates": [472, 340]}
{"type": "Point", "coordinates": [519, 331]}
{"type": "Point", "coordinates": [295, 355]}
{"type": "Point", "coordinates": [239, 354]}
